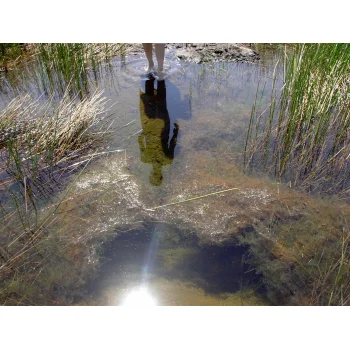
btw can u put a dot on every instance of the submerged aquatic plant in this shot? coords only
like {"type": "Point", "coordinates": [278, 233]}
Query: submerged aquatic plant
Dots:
{"type": "Point", "coordinates": [303, 134]}
{"type": "Point", "coordinates": [10, 53]}
{"type": "Point", "coordinates": [302, 264]}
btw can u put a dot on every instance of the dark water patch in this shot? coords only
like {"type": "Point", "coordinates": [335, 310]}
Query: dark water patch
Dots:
{"type": "Point", "coordinates": [161, 251]}
{"type": "Point", "coordinates": [215, 269]}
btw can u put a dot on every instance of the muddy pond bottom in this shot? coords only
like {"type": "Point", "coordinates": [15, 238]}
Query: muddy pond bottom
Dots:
{"type": "Point", "coordinates": [160, 265]}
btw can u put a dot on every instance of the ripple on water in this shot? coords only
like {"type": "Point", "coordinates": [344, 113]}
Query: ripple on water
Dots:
{"type": "Point", "coordinates": [136, 66]}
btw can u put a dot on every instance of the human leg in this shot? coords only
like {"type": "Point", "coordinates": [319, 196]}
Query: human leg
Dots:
{"type": "Point", "coordinates": [148, 52]}
{"type": "Point", "coordinates": [160, 51]}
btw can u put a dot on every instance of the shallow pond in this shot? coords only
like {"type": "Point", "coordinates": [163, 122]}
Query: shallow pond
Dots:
{"type": "Point", "coordinates": [156, 220]}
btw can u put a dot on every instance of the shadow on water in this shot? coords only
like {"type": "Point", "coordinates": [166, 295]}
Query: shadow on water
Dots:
{"type": "Point", "coordinates": [162, 251]}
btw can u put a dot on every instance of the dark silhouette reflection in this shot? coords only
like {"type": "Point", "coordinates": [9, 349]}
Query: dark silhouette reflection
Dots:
{"type": "Point", "coordinates": [154, 142]}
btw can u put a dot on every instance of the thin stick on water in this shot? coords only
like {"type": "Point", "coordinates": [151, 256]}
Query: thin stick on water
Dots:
{"type": "Point", "coordinates": [193, 198]}
{"type": "Point", "coordinates": [126, 125]}
{"type": "Point", "coordinates": [25, 193]}
{"type": "Point", "coordinates": [135, 133]}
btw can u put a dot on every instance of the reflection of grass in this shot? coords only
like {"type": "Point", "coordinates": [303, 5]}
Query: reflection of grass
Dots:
{"type": "Point", "coordinates": [304, 132]}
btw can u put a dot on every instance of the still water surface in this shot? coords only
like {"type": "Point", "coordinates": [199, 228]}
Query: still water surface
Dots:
{"type": "Point", "coordinates": [163, 262]}
{"type": "Point", "coordinates": [149, 223]}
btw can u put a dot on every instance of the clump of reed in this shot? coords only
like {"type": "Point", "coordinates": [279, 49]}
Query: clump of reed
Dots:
{"type": "Point", "coordinates": [70, 65]}
{"type": "Point", "coordinates": [39, 138]}
{"type": "Point", "coordinates": [302, 134]}
{"type": "Point", "coordinates": [31, 129]}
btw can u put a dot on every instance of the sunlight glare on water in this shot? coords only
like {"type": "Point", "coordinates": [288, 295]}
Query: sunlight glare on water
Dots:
{"type": "Point", "coordinates": [139, 297]}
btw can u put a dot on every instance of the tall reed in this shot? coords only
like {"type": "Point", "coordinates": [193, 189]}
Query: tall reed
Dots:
{"type": "Point", "coordinates": [72, 65]}
{"type": "Point", "coordinates": [305, 127]}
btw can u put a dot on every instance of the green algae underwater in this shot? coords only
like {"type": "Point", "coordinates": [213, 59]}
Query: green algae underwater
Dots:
{"type": "Point", "coordinates": [154, 205]}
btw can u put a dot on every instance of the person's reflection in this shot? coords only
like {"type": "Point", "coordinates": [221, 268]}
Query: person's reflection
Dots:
{"type": "Point", "coordinates": [154, 146]}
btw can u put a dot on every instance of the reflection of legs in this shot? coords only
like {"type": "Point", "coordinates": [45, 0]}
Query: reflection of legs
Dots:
{"type": "Point", "coordinates": [149, 87]}
{"type": "Point", "coordinates": [148, 52]}
{"type": "Point", "coordinates": [159, 49]}
{"type": "Point", "coordinates": [148, 99]}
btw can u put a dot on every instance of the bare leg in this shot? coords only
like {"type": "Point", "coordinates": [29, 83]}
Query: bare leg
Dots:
{"type": "Point", "coordinates": [148, 52]}
{"type": "Point", "coordinates": [160, 49]}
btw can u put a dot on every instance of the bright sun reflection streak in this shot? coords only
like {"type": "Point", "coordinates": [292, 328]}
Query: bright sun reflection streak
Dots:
{"type": "Point", "coordinates": [139, 297]}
